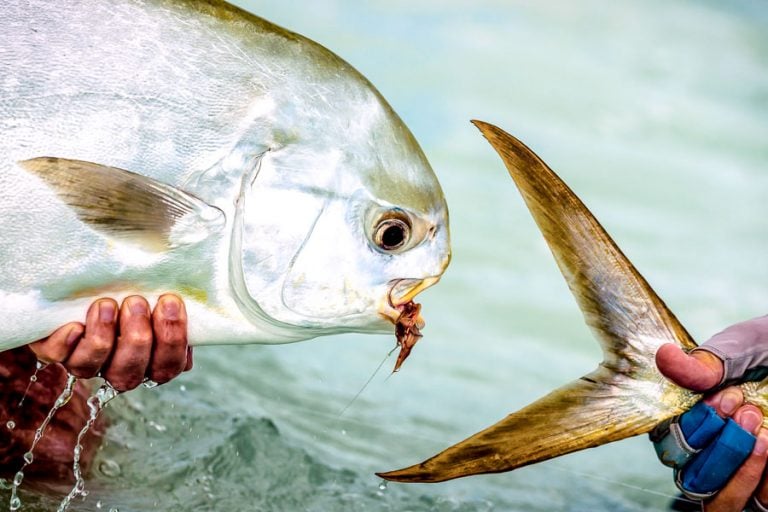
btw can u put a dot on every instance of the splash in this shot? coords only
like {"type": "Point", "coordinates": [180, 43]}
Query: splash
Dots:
{"type": "Point", "coordinates": [39, 365]}
{"type": "Point", "coordinates": [61, 401]}
{"type": "Point", "coordinates": [96, 404]}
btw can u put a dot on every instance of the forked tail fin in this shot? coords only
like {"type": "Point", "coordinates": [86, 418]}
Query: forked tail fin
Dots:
{"type": "Point", "coordinates": [625, 395]}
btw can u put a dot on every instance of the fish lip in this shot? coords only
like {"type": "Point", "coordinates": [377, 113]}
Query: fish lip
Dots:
{"type": "Point", "coordinates": [401, 292]}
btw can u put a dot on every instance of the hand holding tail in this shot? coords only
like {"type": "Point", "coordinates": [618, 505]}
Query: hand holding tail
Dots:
{"type": "Point", "coordinates": [716, 453]}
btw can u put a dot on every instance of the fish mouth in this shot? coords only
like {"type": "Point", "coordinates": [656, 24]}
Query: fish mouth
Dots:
{"type": "Point", "coordinates": [401, 292]}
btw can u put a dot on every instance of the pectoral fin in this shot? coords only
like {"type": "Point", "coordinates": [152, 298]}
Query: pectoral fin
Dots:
{"type": "Point", "coordinates": [626, 395]}
{"type": "Point", "coordinates": [126, 205]}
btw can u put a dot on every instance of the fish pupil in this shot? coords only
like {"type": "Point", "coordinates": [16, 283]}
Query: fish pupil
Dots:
{"type": "Point", "coordinates": [393, 236]}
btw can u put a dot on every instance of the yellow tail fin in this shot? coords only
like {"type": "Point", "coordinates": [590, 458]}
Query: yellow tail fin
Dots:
{"type": "Point", "coordinates": [625, 395]}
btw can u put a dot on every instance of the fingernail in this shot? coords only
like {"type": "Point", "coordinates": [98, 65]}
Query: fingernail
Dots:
{"type": "Point", "coordinates": [171, 309]}
{"type": "Point", "coordinates": [730, 401]}
{"type": "Point", "coordinates": [750, 420]}
{"type": "Point", "coordinates": [74, 334]}
{"type": "Point", "coordinates": [106, 312]}
{"type": "Point", "coordinates": [761, 445]}
{"type": "Point", "coordinates": [138, 307]}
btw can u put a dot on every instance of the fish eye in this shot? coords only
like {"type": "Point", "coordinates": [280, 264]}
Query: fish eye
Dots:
{"type": "Point", "coordinates": [392, 232]}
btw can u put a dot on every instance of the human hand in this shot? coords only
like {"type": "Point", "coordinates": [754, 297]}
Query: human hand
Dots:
{"type": "Point", "coordinates": [125, 345]}
{"type": "Point", "coordinates": [724, 457]}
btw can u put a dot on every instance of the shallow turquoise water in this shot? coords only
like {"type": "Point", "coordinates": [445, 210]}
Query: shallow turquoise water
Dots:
{"type": "Point", "coordinates": [656, 113]}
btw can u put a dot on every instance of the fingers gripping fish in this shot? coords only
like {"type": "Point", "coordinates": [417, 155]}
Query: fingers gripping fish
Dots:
{"type": "Point", "coordinates": [189, 146]}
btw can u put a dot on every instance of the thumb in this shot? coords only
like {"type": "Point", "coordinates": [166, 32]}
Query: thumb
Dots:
{"type": "Point", "coordinates": [697, 371]}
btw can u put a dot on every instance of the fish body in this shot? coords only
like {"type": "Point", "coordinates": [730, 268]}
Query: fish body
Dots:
{"type": "Point", "coordinates": [187, 145]}
{"type": "Point", "coordinates": [626, 395]}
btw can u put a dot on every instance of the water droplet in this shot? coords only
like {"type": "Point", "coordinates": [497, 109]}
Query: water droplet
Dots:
{"type": "Point", "coordinates": [18, 478]}
{"type": "Point", "coordinates": [383, 485]}
{"type": "Point", "coordinates": [149, 383]}
{"type": "Point", "coordinates": [98, 504]}
{"type": "Point", "coordinates": [32, 379]}
{"type": "Point", "coordinates": [182, 388]}
{"type": "Point", "coordinates": [109, 467]}
{"type": "Point", "coordinates": [39, 365]}
{"type": "Point", "coordinates": [96, 404]}
{"type": "Point", "coordinates": [157, 426]}
{"type": "Point", "coordinates": [343, 432]}
{"type": "Point", "coordinates": [15, 504]}
{"type": "Point", "coordinates": [28, 457]}
{"type": "Point", "coordinates": [114, 509]}
{"type": "Point", "coordinates": [11, 424]}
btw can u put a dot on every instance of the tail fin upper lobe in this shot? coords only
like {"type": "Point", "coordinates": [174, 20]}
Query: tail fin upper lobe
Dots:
{"type": "Point", "coordinates": [625, 395]}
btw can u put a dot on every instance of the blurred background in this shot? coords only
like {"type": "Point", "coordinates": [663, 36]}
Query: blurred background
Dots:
{"type": "Point", "coordinates": [654, 112]}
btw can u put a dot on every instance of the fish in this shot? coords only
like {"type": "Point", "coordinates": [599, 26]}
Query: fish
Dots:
{"type": "Point", "coordinates": [191, 146]}
{"type": "Point", "coordinates": [626, 395]}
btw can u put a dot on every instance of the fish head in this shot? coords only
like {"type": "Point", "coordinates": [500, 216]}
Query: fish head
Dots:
{"type": "Point", "coordinates": [342, 227]}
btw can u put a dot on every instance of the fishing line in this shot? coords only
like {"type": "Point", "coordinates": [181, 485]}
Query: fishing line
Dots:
{"type": "Point", "coordinates": [601, 478]}
{"type": "Point", "coordinates": [551, 464]}
{"type": "Point", "coordinates": [357, 395]}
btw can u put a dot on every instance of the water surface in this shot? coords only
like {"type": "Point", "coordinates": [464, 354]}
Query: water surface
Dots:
{"type": "Point", "coordinates": [656, 114]}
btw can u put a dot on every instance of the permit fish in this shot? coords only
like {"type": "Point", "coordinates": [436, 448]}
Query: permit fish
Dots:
{"type": "Point", "coordinates": [626, 395]}
{"type": "Point", "coordinates": [190, 146]}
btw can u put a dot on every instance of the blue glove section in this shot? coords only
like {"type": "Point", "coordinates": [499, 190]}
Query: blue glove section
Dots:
{"type": "Point", "coordinates": [700, 425]}
{"type": "Point", "coordinates": [704, 449]}
{"type": "Point", "coordinates": [680, 439]}
{"type": "Point", "coordinates": [711, 469]}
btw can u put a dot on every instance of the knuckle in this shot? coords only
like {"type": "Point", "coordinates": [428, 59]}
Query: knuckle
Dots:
{"type": "Point", "coordinates": [170, 336]}
{"type": "Point", "coordinates": [162, 376]}
{"type": "Point", "coordinates": [165, 373]}
{"type": "Point", "coordinates": [137, 336]}
{"type": "Point", "coordinates": [47, 353]}
{"type": "Point", "coordinates": [124, 383]}
{"type": "Point", "coordinates": [99, 347]}
{"type": "Point", "coordinates": [82, 370]}
{"type": "Point", "coordinates": [126, 375]}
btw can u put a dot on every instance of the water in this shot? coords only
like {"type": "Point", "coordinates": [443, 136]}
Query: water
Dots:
{"type": "Point", "coordinates": [62, 400]}
{"type": "Point", "coordinates": [96, 404]}
{"type": "Point", "coordinates": [655, 112]}
{"type": "Point", "coordinates": [39, 365]}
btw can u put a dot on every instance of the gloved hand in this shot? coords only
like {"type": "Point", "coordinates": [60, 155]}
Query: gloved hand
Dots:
{"type": "Point", "coordinates": [705, 446]}
{"type": "Point", "coordinates": [718, 448]}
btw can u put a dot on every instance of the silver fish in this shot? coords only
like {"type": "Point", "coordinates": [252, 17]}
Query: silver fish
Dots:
{"type": "Point", "coordinates": [187, 145]}
{"type": "Point", "coordinates": [626, 395]}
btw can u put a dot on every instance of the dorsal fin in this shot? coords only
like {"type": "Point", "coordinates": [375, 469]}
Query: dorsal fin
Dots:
{"type": "Point", "coordinates": [126, 205]}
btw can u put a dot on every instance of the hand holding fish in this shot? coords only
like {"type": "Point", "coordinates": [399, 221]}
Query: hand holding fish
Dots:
{"type": "Point", "coordinates": [718, 459]}
{"type": "Point", "coordinates": [124, 346]}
